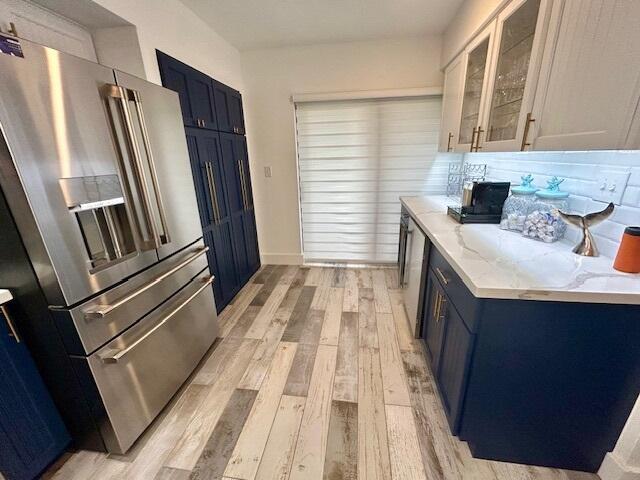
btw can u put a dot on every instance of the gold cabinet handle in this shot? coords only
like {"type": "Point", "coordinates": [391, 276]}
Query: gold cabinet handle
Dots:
{"type": "Point", "coordinates": [525, 134]}
{"type": "Point", "coordinates": [441, 310]}
{"type": "Point", "coordinates": [243, 186]}
{"type": "Point", "coordinates": [449, 147]}
{"type": "Point", "coordinates": [473, 139]}
{"type": "Point", "coordinates": [211, 182]}
{"type": "Point", "coordinates": [478, 132]}
{"type": "Point", "coordinates": [12, 328]}
{"type": "Point", "coordinates": [436, 305]}
{"type": "Point", "coordinates": [444, 279]}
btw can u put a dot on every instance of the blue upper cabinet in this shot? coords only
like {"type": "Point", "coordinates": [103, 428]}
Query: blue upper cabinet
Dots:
{"type": "Point", "coordinates": [229, 109]}
{"type": "Point", "coordinates": [175, 75]}
{"type": "Point", "coordinates": [214, 121]}
{"type": "Point", "coordinates": [32, 434]}
{"type": "Point", "coordinates": [195, 90]}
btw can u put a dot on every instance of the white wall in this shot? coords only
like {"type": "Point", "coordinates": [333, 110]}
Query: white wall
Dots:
{"type": "Point", "coordinates": [46, 28]}
{"type": "Point", "coordinates": [119, 47]}
{"type": "Point", "coordinates": [273, 75]}
{"type": "Point", "coordinates": [470, 17]}
{"type": "Point", "coordinates": [171, 27]}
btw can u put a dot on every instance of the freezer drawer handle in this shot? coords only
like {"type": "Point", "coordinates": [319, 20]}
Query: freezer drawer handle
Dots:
{"type": "Point", "coordinates": [101, 311]}
{"type": "Point", "coordinates": [118, 356]}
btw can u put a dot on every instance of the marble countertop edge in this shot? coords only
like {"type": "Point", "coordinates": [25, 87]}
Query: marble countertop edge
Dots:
{"type": "Point", "coordinates": [5, 296]}
{"type": "Point", "coordinates": [490, 261]}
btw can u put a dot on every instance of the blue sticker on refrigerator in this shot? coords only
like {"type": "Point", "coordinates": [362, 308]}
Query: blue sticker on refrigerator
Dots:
{"type": "Point", "coordinates": [10, 46]}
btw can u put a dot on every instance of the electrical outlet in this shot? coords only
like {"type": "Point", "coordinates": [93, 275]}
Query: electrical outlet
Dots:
{"type": "Point", "coordinates": [267, 172]}
{"type": "Point", "coordinates": [610, 185]}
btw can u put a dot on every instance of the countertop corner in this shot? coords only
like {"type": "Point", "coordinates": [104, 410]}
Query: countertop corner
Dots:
{"type": "Point", "coordinates": [5, 296]}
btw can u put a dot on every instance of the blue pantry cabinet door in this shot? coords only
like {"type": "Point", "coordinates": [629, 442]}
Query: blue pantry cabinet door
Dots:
{"type": "Point", "coordinates": [32, 434]}
{"type": "Point", "coordinates": [205, 206]}
{"type": "Point", "coordinates": [249, 220]}
{"type": "Point", "coordinates": [454, 365]}
{"type": "Point", "coordinates": [202, 100]}
{"type": "Point", "coordinates": [236, 112]}
{"type": "Point", "coordinates": [433, 322]}
{"type": "Point", "coordinates": [195, 90]}
{"type": "Point", "coordinates": [222, 233]}
{"type": "Point", "coordinates": [176, 76]}
{"type": "Point", "coordinates": [208, 177]}
{"type": "Point", "coordinates": [229, 109]}
{"type": "Point", "coordinates": [223, 107]}
{"type": "Point", "coordinates": [233, 155]}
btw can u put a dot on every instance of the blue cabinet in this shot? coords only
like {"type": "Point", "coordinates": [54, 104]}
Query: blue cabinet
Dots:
{"type": "Point", "coordinates": [32, 434]}
{"type": "Point", "coordinates": [229, 109]}
{"type": "Point", "coordinates": [454, 362]}
{"type": "Point", "coordinates": [214, 125]}
{"type": "Point", "coordinates": [211, 180]}
{"type": "Point", "coordinates": [195, 90]}
{"type": "Point", "coordinates": [534, 382]}
{"type": "Point", "coordinates": [432, 323]}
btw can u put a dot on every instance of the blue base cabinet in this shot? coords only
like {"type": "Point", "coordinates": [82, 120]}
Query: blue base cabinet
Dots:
{"type": "Point", "coordinates": [214, 127]}
{"type": "Point", "coordinates": [533, 382]}
{"type": "Point", "coordinates": [32, 434]}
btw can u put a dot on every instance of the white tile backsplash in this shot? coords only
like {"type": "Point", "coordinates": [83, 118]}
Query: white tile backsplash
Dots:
{"type": "Point", "coordinates": [580, 170]}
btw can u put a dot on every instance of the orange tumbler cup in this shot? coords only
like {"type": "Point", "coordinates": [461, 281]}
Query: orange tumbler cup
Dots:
{"type": "Point", "coordinates": [628, 258]}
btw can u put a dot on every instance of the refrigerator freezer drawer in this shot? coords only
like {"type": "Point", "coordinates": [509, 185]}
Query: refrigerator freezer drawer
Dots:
{"type": "Point", "coordinates": [137, 373]}
{"type": "Point", "coordinates": [95, 322]}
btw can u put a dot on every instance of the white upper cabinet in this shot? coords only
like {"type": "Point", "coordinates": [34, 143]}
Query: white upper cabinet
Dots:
{"type": "Point", "coordinates": [520, 35]}
{"type": "Point", "coordinates": [548, 75]}
{"type": "Point", "coordinates": [451, 104]}
{"type": "Point", "coordinates": [476, 61]}
{"type": "Point", "coordinates": [589, 84]}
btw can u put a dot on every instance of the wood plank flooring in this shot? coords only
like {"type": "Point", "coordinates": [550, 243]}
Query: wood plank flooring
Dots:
{"type": "Point", "coordinates": [316, 376]}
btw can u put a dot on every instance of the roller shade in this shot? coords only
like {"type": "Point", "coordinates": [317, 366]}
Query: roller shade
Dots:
{"type": "Point", "coordinates": [356, 158]}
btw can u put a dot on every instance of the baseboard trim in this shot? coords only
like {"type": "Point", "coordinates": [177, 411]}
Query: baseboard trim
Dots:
{"type": "Point", "coordinates": [614, 468]}
{"type": "Point", "coordinates": [282, 258]}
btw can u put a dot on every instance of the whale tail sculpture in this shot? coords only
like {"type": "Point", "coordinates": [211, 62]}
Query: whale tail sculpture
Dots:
{"type": "Point", "coordinates": [587, 247]}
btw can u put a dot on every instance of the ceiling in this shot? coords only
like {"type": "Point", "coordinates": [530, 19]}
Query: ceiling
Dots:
{"type": "Point", "coordinates": [252, 24]}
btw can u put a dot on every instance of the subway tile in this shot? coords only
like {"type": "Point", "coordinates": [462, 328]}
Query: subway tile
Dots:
{"type": "Point", "coordinates": [580, 170]}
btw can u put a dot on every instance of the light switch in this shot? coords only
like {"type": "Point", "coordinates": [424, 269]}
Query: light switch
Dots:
{"type": "Point", "coordinates": [267, 172]}
{"type": "Point", "coordinates": [610, 185]}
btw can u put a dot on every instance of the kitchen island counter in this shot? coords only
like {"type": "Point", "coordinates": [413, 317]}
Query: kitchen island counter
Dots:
{"type": "Point", "coordinates": [500, 264]}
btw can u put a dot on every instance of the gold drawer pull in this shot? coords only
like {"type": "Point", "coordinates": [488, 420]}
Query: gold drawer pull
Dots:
{"type": "Point", "coordinates": [444, 279]}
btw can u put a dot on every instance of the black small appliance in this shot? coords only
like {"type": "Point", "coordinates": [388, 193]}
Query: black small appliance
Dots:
{"type": "Point", "coordinates": [485, 205]}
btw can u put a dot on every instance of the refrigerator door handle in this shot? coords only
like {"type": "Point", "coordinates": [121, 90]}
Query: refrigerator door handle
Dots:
{"type": "Point", "coordinates": [101, 311]}
{"type": "Point", "coordinates": [115, 358]}
{"type": "Point", "coordinates": [119, 94]}
{"type": "Point", "coordinates": [135, 96]}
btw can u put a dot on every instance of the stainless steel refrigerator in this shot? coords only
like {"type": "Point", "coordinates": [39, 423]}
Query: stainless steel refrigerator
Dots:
{"type": "Point", "coordinates": [108, 263]}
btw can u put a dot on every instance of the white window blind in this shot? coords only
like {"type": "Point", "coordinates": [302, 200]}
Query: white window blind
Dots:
{"type": "Point", "coordinates": [356, 158]}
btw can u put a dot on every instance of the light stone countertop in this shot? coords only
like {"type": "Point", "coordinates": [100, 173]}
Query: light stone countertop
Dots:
{"type": "Point", "coordinates": [5, 296]}
{"type": "Point", "coordinates": [494, 263]}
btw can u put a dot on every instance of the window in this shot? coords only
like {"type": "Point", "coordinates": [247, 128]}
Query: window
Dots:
{"type": "Point", "coordinates": [356, 158]}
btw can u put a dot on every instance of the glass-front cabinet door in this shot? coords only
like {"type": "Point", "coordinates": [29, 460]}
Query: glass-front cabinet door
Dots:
{"type": "Point", "coordinates": [477, 60]}
{"type": "Point", "coordinates": [514, 71]}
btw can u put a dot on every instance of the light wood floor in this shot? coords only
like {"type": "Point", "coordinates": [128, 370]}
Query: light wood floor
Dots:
{"type": "Point", "coordinates": [315, 376]}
